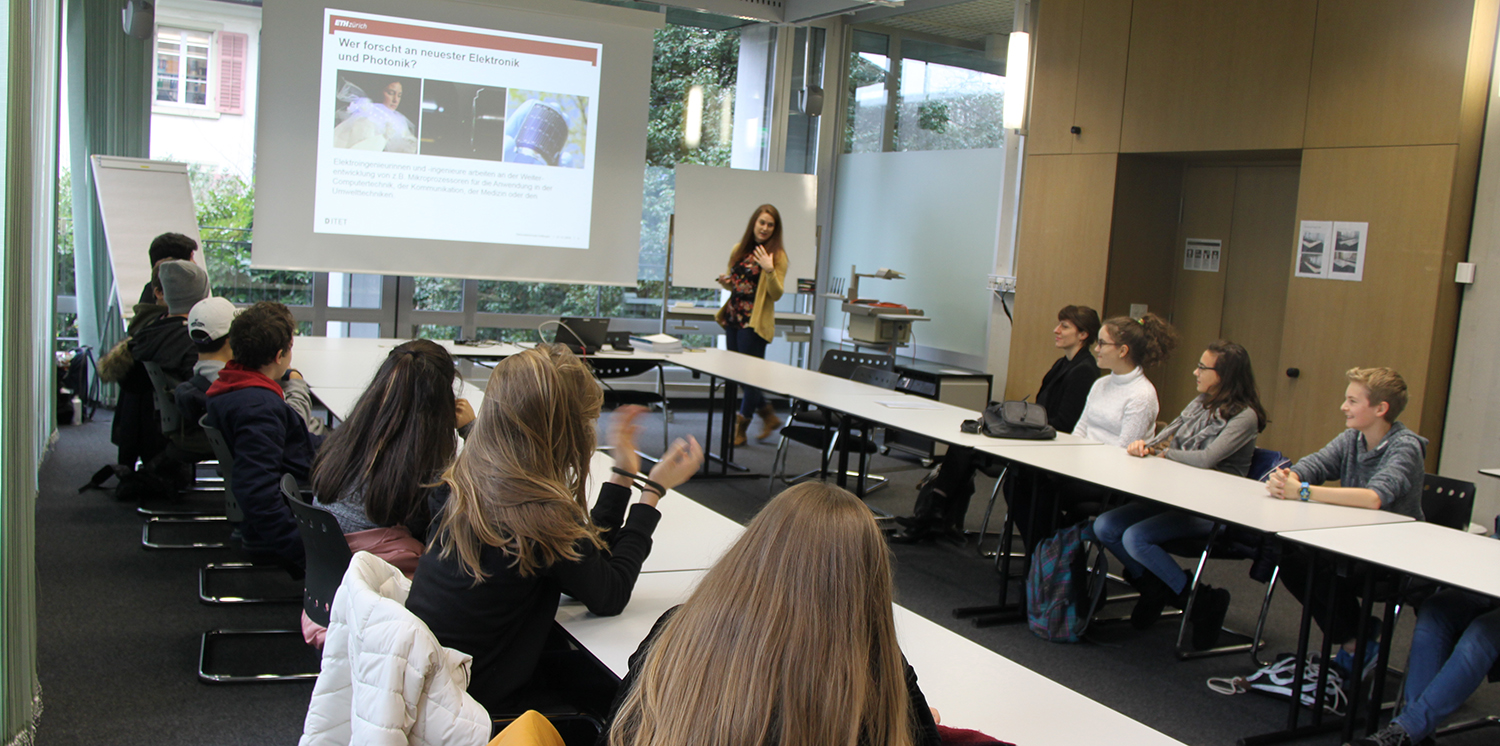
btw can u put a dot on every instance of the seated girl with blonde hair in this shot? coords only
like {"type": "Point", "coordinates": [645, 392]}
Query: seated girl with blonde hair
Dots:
{"type": "Point", "coordinates": [512, 529]}
{"type": "Point", "coordinates": [789, 639]}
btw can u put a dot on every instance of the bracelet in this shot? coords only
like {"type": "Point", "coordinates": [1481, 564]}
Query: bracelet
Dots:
{"type": "Point", "coordinates": [642, 483]}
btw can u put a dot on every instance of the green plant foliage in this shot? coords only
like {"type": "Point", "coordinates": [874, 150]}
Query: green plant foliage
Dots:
{"type": "Point", "coordinates": [226, 222]}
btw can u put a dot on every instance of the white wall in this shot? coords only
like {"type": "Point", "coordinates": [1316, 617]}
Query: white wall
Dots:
{"type": "Point", "coordinates": [226, 141]}
{"type": "Point", "coordinates": [933, 215]}
{"type": "Point", "coordinates": [1471, 434]}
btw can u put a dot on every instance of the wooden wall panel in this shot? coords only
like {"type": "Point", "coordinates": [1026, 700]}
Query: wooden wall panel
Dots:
{"type": "Point", "coordinates": [1207, 75]}
{"type": "Point", "coordinates": [1102, 60]}
{"type": "Point", "coordinates": [1258, 268]}
{"type": "Point", "coordinates": [1148, 193]}
{"type": "Point", "coordinates": [1081, 50]}
{"type": "Point", "coordinates": [1389, 72]}
{"type": "Point", "coordinates": [1062, 252]}
{"type": "Point", "coordinates": [1388, 319]}
{"type": "Point", "coordinates": [1054, 82]}
{"type": "Point", "coordinates": [1208, 202]}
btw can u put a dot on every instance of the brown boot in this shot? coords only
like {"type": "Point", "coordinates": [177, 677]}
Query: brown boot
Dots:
{"type": "Point", "coordinates": [768, 421]}
{"type": "Point", "coordinates": [741, 427]}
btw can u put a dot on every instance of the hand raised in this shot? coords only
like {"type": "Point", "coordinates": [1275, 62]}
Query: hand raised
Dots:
{"type": "Point", "coordinates": [463, 412]}
{"type": "Point", "coordinates": [623, 428]}
{"type": "Point", "coordinates": [679, 463]}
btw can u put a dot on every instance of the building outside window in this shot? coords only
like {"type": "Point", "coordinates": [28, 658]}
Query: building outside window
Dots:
{"type": "Point", "coordinates": [182, 65]}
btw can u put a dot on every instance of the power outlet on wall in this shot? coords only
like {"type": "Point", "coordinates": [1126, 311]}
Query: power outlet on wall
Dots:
{"type": "Point", "coordinates": [1002, 284]}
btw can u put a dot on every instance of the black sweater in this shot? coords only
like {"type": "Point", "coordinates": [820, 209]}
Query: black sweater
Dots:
{"type": "Point", "coordinates": [1065, 389]}
{"type": "Point", "coordinates": [927, 731]}
{"type": "Point", "coordinates": [504, 621]}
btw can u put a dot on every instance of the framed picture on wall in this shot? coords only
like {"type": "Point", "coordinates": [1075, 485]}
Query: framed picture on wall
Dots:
{"type": "Point", "coordinates": [1348, 251]}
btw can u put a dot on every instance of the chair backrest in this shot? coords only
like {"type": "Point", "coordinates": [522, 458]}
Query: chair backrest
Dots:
{"type": "Point", "coordinates": [164, 391]}
{"type": "Point", "coordinates": [1447, 502]}
{"type": "Point", "coordinates": [327, 550]}
{"type": "Point", "coordinates": [885, 379]}
{"type": "Point", "coordinates": [610, 368]}
{"type": "Point", "coordinates": [1263, 462]}
{"type": "Point", "coordinates": [530, 729]}
{"type": "Point", "coordinates": [842, 363]}
{"type": "Point", "coordinates": [226, 467]}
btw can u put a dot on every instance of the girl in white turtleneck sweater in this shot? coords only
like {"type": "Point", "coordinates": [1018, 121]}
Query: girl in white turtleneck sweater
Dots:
{"type": "Point", "coordinates": [1122, 406]}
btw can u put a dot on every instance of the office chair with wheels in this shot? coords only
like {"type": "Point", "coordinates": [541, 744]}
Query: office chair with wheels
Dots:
{"type": "Point", "coordinates": [818, 428]}
{"type": "Point", "coordinates": [607, 369]}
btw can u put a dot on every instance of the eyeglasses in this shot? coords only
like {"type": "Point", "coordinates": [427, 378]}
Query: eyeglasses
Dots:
{"type": "Point", "coordinates": [1102, 343]}
{"type": "Point", "coordinates": [1201, 366]}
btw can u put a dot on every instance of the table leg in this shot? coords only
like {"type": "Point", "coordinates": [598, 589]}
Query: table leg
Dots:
{"type": "Point", "coordinates": [1003, 612]}
{"type": "Point", "coordinates": [842, 479]}
{"type": "Point", "coordinates": [725, 456]}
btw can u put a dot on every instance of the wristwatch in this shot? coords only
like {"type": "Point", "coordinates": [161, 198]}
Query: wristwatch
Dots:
{"type": "Point", "coordinates": [1305, 493]}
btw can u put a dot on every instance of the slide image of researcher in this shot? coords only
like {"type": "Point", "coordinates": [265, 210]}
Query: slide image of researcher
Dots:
{"type": "Point", "coordinates": [547, 129]}
{"type": "Point", "coordinates": [375, 111]}
{"type": "Point", "coordinates": [463, 120]}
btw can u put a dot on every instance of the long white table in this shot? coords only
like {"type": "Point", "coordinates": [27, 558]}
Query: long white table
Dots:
{"type": "Point", "coordinates": [971, 686]}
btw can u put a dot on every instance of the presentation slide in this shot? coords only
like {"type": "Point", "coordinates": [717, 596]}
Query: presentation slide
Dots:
{"type": "Point", "coordinates": [444, 132]}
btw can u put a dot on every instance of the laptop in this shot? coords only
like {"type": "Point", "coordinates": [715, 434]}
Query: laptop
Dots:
{"type": "Point", "coordinates": [584, 336]}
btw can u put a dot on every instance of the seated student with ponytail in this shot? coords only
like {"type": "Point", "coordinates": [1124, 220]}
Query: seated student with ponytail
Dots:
{"type": "Point", "coordinates": [788, 639]}
{"type": "Point", "coordinates": [1217, 430]}
{"type": "Point", "coordinates": [512, 530]}
{"type": "Point", "coordinates": [1122, 406]}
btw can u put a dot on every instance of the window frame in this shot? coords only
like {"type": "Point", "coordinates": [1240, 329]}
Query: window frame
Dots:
{"type": "Point", "coordinates": [209, 108]}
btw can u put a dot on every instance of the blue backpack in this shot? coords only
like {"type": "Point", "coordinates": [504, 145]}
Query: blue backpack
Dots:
{"type": "Point", "coordinates": [1062, 591]}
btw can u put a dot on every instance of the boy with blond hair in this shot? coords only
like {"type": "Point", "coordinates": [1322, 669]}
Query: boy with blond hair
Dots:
{"type": "Point", "coordinates": [1379, 464]}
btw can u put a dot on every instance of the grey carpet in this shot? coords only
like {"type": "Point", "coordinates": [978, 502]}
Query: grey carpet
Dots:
{"type": "Point", "coordinates": [119, 627]}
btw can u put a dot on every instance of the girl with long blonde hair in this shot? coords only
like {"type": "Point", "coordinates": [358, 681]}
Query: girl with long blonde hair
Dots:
{"type": "Point", "coordinates": [789, 639]}
{"type": "Point", "coordinates": [512, 528]}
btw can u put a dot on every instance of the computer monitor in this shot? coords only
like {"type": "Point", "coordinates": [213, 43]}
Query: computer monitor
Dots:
{"type": "Point", "coordinates": [584, 336]}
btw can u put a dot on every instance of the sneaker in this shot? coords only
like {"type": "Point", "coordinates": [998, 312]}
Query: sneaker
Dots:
{"type": "Point", "coordinates": [1344, 660]}
{"type": "Point", "coordinates": [1391, 735]}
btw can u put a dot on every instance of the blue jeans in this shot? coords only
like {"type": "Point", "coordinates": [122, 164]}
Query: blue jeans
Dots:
{"type": "Point", "coordinates": [1456, 642]}
{"type": "Point", "coordinates": [745, 340]}
{"type": "Point", "coordinates": [1135, 532]}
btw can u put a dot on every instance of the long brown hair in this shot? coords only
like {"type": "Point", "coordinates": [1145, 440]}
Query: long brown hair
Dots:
{"type": "Point", "coordinates": [747, 242]}
{"type": "Point", "coordinates": [518, 485]}
{"type": "Point", "coordinates": [398, 438]}
{"type": "Point", "coordinates": [789, 639]}
{"type": "Point", "coordinates": [1236, 390]}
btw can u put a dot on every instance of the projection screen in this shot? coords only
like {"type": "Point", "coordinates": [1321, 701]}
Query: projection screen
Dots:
{"type": "Point", "coordinates": [497, 140]}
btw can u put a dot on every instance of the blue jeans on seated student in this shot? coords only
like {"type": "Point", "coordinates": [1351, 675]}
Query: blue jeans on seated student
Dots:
{"type": "Point", "coordinates": [1456, 642]}
{"type": "Point", "coordinates": [745, 340]}
{"type": "Point", "coordinates": [1135, 532]}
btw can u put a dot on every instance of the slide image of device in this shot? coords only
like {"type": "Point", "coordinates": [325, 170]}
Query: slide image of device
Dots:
{"type": "Point", "coordinates": [463, 120]}
{"type": "Point", "coordinates": [376, 111]}
{"type": "Point", "coordinates": [546, 129]}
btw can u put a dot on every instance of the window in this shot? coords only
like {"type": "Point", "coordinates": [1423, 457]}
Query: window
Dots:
{"type": "Point", "coordinates": [182, 66]}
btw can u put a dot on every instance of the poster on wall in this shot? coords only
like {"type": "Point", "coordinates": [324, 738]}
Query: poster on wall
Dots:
{"type": "Point", "coordinates": [1313, 248]}
{"type": "Point", "coordinates": [1202, 254]}
{"type": "Point", "coordinates": [1348, 251]}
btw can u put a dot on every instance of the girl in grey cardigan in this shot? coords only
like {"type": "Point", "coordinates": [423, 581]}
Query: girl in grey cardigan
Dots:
{"type": "Point", "coordinates": [1216, 430]}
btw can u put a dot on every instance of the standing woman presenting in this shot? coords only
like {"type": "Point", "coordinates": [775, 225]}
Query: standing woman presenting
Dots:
{"type": "Point", "coordinates": [757, 273]}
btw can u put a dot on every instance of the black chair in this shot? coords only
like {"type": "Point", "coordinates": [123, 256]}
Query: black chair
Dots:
{"type": "Point", "coordinates": [817, 428]}
{"type": "Point", "coordinates": [327, 550]}
{"type": "Point", "coordinates": [1229, 543]}
{"type": "Point", "coordinates": [163, 391]}
{"type": "Point", "coordinates": [313, 603]}
{"type": "Point", "coordinates": [607, 369]}
{"type": "Point", "coordinates": [234, 515]}
{"type": "Point", "coordinates": [1447, 502]}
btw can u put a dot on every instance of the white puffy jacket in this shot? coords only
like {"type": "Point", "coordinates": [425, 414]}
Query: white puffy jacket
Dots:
{"type": "Point", "coordinates": [385, 679]}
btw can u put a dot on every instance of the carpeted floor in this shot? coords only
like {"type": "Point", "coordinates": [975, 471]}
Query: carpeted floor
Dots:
{"type": "Point", "coordinates": [119, 627]}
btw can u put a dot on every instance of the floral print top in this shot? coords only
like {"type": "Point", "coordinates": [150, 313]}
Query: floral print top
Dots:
{"type": "Point", "coordinates": [743, 281]}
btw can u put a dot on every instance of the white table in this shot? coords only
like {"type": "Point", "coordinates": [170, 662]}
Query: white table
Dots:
{"type": "Point", "coordinates": [971, 686]}
{"type": "Point", "coordinates": [1206, 492]}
